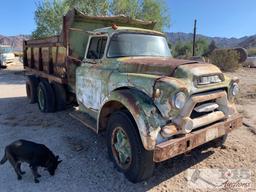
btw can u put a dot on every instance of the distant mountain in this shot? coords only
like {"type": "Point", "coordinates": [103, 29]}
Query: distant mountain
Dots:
{"type": "Point", "coordinates": [221, 42]}
{"type": "Point", "coordinates": [15, 41]}
{"type": "Point", "coordinates": [248, 42]}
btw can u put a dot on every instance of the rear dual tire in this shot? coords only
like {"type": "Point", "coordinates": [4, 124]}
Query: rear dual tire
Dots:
{"type": "Point", "coordinates": [45, 97]}
{"type": "Point", "coordinates": [49, 96]}
{"type": "Point", "coordinates": [60, 96]}
{"type": "Point", "coordinates": [31, 89]}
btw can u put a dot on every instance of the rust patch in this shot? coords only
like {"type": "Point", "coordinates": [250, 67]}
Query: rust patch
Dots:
{"type": "Point", "coordinates": [154, 65]}
{"type": "Point", "coordinates": [131, 101]}
{"type": "Point", "coordinates": [199, 69]}
{"type": "Point", "coordinates": [159, 61]}
{"type": "Point", "coordinates": [174, 147]}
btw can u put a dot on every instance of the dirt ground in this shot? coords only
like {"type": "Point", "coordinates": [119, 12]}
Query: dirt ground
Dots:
{"type": "Point", "coordinates": [86, 166]}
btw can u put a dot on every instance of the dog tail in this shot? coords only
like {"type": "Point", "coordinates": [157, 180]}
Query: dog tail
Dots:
{"type": "Point", "coordinates": [4, 159]}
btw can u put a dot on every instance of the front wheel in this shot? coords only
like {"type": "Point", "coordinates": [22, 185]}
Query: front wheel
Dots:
{"type": "Point", "coordinates": [125, 148]}
{"type": "Point", "coordinates": [219, 142]}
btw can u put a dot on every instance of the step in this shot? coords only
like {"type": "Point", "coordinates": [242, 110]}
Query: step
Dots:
{"type": "Point", "coordinates": [85, 119]}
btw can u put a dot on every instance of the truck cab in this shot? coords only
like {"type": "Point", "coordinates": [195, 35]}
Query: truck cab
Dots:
{"type": "Point", "coordinates": [152, 106]}
{"type": "Point", "coordinates": [131, 71]}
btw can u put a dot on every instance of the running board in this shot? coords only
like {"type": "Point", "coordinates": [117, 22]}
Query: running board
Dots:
{"type": "Point", "coordinates": [85, 119]}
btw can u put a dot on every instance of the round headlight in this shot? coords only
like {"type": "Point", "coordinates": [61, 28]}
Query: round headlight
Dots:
{"type": "Point", "coordinates": [179, 100]}
{"type": "Point", "coordinates": [234, 89]}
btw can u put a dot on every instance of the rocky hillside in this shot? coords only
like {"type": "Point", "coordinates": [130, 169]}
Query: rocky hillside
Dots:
{"type": "Point", "coordinates": [248, 42]}
{"type": "Point", "coordinates": [15, 41]}
{"type": "Point", "coordinates": [245, 42]}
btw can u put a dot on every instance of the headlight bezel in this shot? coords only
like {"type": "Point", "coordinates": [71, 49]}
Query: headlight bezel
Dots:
{"type": "Point", "coordinates": [179, 100]}
{"type": "Point", "coordinates": [234, 89]}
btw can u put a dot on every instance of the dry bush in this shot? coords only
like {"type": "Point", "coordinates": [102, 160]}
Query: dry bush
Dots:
{"type": "Point", "coordinates": [18, 53]}
{"type": "Point", "coordinates": [225, 59]}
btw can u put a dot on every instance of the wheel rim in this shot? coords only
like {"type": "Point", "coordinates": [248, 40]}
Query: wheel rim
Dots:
{"type": "Point", "coordinates": [121, 148]}
{"type": "Point", "coordinates": [41, 98]}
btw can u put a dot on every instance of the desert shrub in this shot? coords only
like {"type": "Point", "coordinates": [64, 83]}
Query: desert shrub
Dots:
{"type": "Point", "coordinates": [225, 59]}
{"type": "Point", "coordinates": [18, 53]}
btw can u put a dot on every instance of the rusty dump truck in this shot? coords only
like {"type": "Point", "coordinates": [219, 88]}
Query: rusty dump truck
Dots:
{"type": "Point", "coordinates": [123, 79]}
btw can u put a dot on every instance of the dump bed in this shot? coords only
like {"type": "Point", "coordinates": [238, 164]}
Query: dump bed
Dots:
{"type": "Point", "coordinates": [56, 58]}
{"type": "Point", "coordinates": [46, 58]}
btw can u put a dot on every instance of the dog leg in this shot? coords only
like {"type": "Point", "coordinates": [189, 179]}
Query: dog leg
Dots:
{"type": "Point", "coordinates": [4, 159]}
{"type": "Point", "coordinates": [15, 166]}
{"type": "Point", "coordinates": [19, 169]}
{"type": "Point", "coordinates": [35, 173]}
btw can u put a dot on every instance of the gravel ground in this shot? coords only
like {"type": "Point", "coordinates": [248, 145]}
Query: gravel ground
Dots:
{"type": "Point", "coordinates": [86, 166]}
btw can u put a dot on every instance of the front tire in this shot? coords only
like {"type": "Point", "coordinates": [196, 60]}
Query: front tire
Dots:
{"type": "Point", "coordinates": [45, 97]}
{"type": "Point", "coordinates": [219, 142]}
{"type": "Point", "coordinates": [126, 149]}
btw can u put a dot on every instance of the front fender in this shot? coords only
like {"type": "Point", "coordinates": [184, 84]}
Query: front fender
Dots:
{"type": "Point", "coordinates": [144, 112]}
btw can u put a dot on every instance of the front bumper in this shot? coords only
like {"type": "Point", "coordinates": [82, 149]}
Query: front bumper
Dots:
{"type": "Point", "coordinates": [174, 147]}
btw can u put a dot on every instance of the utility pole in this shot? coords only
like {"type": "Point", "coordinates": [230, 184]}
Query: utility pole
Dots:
{"type": "Point", "coordinates": [194, 39]}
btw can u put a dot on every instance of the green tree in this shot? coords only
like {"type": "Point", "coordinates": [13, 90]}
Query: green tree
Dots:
{"type": "Point", "coordinates": [201, 46]}
{"type": "Point", "coordinates": [90, 7]}
{"type": "Point", "coordinates": [131, 8]}
{"type": "Point", "coordinates": [185, 49]}
{"type": "Point", "coordinates": [212, 46]}
{"type": "Point", "coordinates": [156, 10]}
{"type": "Point", "coordinates": [153, 10]}
{"type": "Point", "coordinates": [48, 15]}
{"type": "Point", "coordinates": [182, 49]}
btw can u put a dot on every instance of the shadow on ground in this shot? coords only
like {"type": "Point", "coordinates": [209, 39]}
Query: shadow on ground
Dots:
{"type": "Point", "coordinates": [82, 146]}
{"type": "Point", "coordinates": [12, 77]}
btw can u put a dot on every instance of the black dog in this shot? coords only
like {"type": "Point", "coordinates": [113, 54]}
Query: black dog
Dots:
{"type": "Point", "coordinates": [32, 153]}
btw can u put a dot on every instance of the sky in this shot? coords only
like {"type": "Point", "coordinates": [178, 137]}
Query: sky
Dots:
{"type": "Point", "coordinates": [222, 18]}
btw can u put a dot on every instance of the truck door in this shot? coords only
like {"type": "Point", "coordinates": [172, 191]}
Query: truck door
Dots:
{"type": "Point", "coordinates": [89, 83]}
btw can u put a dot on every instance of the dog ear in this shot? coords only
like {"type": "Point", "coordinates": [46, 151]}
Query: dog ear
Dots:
{"type": "Point", "coordinates": [59, 161]}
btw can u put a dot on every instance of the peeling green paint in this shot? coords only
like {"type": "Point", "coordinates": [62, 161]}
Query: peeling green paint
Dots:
{"type": "Point", "coordinates": [133, 82]}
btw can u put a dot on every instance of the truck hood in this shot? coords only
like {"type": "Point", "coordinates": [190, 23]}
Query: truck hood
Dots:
{"type": "Point", "coordinates": [163, 66]}
{"type": "Point", "coordinates": [167, 66]}
{"type": "Point", "coordinates": [196, 70]}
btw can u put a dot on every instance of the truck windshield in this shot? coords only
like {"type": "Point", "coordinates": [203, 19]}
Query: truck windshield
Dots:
{"type": "Point", "coordinates": [136, 44]}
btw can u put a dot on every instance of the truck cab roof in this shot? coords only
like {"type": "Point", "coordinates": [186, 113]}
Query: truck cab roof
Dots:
{"type": "Point", "coordinates": [111, 30]}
